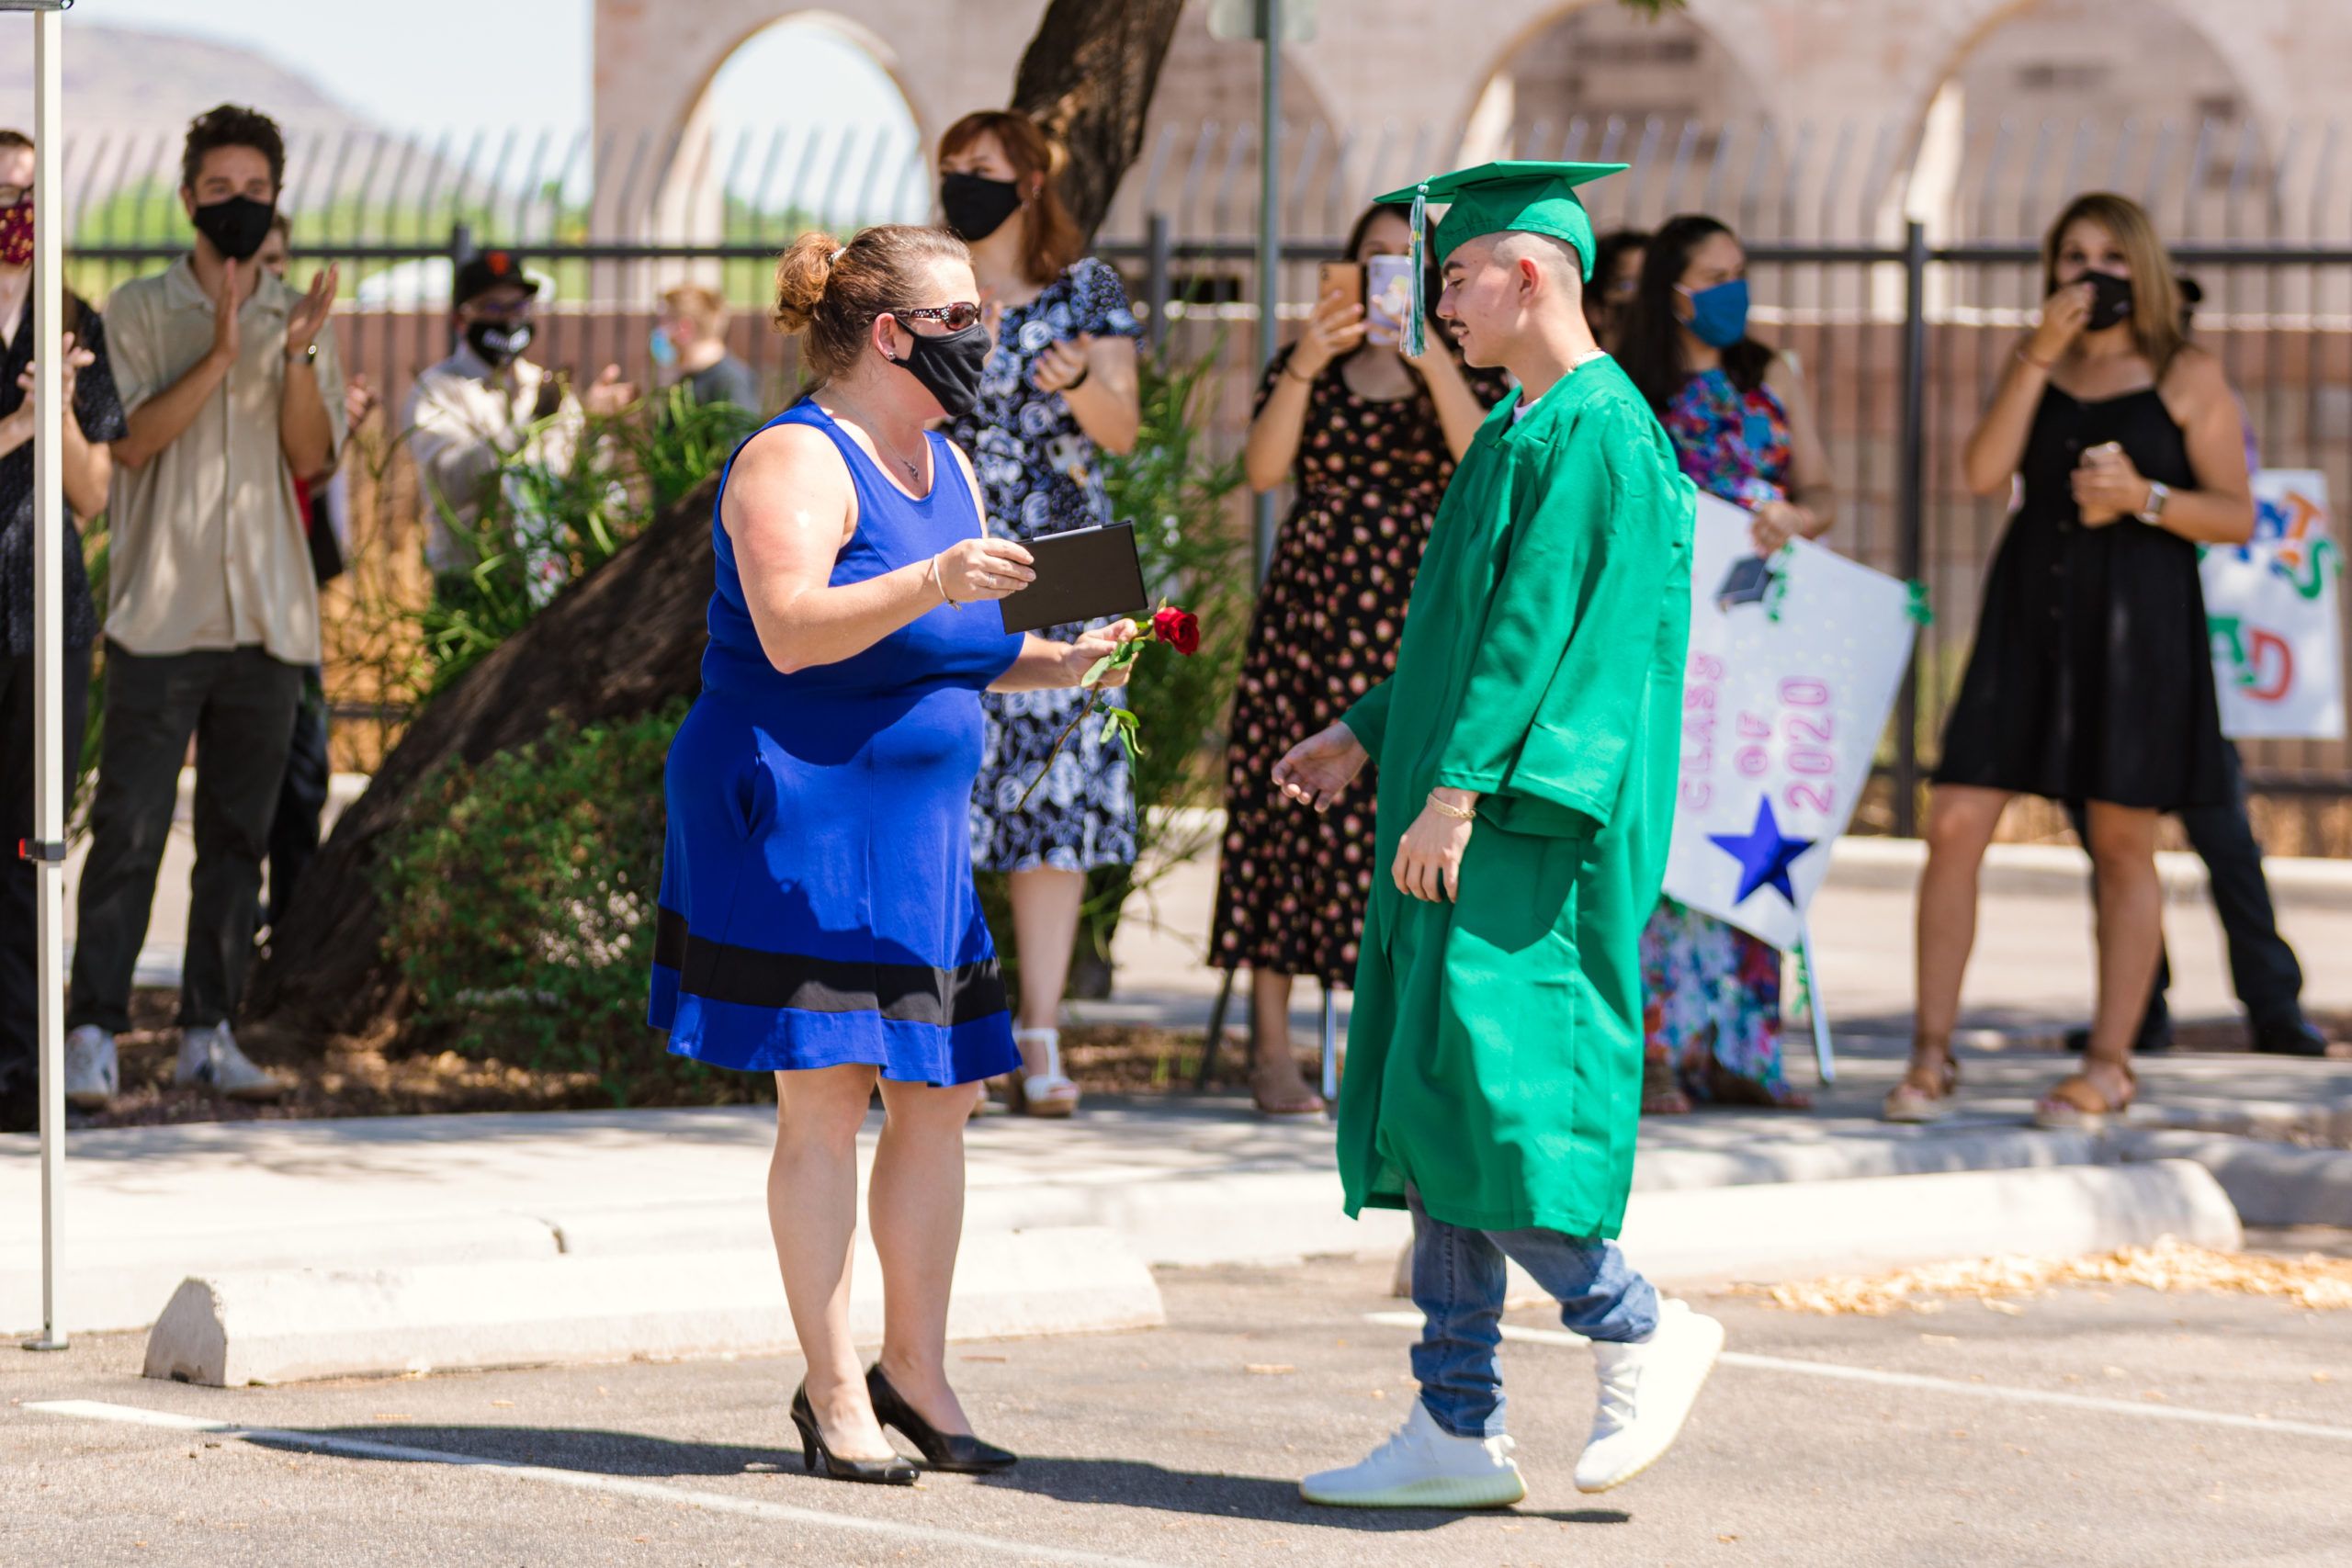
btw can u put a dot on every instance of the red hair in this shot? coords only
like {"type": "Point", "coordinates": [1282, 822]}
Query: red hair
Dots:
{"type": "Point", "coordinates": [1050, 237]}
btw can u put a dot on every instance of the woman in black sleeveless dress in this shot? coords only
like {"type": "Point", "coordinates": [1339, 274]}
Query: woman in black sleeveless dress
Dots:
{"type": "Point", "coordinates": [2091, 681]}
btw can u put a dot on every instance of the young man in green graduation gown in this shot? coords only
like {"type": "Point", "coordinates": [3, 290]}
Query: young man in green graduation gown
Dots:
{"type": "Point", "coordinates": [1526, 749]}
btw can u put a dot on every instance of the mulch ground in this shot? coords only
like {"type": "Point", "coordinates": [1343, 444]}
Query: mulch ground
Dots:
{"type": "Point", "coordinates": [361, 1079]}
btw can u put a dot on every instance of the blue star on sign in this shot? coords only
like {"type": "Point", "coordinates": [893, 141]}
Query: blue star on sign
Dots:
{"type": "Point", "coordinates": [1764, 853]}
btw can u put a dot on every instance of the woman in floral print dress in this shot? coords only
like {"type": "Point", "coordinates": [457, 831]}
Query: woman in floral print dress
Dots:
{"type": "Point", "coordinates": [1741, 420]}
{"type": "Point", "coordinates": [1059, 391]}
{"type": "Point", "coordinates": [1370, 439]}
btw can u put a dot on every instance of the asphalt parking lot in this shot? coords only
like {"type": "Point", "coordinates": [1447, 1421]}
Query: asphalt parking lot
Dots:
{"type": "Point", "coordinates": [2116, 1426]}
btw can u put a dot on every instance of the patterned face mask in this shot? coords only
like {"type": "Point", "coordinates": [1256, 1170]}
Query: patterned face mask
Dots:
{"type": "Point", "coordinates": [16, 234]}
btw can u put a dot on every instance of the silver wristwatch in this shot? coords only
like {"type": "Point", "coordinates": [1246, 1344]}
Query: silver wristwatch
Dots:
{"type": "Point", "coordinates": [2153, 514]}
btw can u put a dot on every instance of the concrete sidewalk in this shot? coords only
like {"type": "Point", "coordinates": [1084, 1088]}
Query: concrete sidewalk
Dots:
{"type": "Point", "coordinates": [1182, 1180]}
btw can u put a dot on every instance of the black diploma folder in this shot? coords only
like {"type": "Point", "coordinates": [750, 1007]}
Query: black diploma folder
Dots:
{"type": "Point", "coordinates": [1087, 574]}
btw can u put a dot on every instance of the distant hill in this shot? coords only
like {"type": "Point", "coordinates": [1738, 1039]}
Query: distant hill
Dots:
{"type": "Point", "coordinates": [130, 94]}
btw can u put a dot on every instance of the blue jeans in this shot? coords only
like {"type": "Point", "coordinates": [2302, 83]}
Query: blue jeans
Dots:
{"type": "Point", "coordinates": [1458, 1281]}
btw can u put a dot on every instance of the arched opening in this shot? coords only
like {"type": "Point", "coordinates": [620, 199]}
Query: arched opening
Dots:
{"type": "Point", "coordinates": [2068, 96]}
{"type": "Point", "coordinates": [1600, 84]}
{"type": "Point", "coordinates": [807, 126]}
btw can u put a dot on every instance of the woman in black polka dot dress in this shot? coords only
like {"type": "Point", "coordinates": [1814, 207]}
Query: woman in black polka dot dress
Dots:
{"type": "Point", "coordinates": [1369, 439]}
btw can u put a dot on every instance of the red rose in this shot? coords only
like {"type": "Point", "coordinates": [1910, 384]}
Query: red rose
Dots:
{"type": "Point", "coordinates": [1180, 629]}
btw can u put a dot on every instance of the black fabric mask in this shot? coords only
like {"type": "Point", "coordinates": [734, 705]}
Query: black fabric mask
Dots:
{"type": "Point", "coordinates": [2110, 299]}
{"type": "Point", "coordinates": [976, 206]}
{"type": "Point", "coordinates": [499, 343]}
{"type": "Point", "coordinates": [949, 366]}
{"type": "Point", "coordinates": [236, 227]}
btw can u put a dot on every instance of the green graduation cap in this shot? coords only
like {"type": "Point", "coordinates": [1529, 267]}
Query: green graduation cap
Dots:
{"type": "Point", "coordinates": [1518, 194]}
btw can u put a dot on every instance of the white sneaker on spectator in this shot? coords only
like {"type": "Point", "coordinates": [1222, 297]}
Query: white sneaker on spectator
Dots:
{"type": "Point", "coordinates": [211, 1057]}
{"type": "Point", "coordinates": [1647, 1389]}
{"type": "Point", "coordinates": [1424, 1466]}
{"type": "Point", "coordinates": [92, 1076]}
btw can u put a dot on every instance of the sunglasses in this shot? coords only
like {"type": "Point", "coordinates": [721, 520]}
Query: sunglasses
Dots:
{"type": "Point", "coordinates": [955, 318]}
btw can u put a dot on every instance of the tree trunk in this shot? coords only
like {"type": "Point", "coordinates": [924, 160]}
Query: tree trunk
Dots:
{"type": "Point", "coordinates": [629, 638]}
{"type": "Point", "coordinates": [1087, 78]}
{"type": "Point", "coordinates": [624, 641]}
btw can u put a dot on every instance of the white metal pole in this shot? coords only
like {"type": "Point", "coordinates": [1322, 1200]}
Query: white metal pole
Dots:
{"type": "Point", "coordinates": [1270, 242]}
{"type": "Point", "coordinates": [1824, 1057]}
{"type": "Point", "coordinates": [48, 849]}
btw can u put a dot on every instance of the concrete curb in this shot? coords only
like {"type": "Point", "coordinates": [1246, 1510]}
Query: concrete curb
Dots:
{"type": "Point", "coordinates": [115, 1281]}
{"type": "Point", "coordinates": [2271, 1184]}
{"type": "Point", "coordinates": [232, 1329]}
{"type": "Point", "coordinates": [1790, 1230]}
{"type": "Point", "coordinates": [1873, 1223]}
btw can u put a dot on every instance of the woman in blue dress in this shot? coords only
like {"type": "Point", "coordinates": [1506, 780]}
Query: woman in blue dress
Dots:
{"type": "Point", "coordinates": [818, 915]}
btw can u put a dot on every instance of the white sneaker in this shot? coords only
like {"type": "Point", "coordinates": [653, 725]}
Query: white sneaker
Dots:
{"type": "Point", "coordinates": [1647, 1389]}
{"type": "Point", "coordinates": [1424, 1466]}
{"type": "Point", "coordinates": [211, 1057]}
{"type": "Point", "coordinates": [91, 1076]}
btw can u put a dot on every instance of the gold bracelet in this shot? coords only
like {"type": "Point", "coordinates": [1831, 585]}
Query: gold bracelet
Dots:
{"type": "Point", "coordinates": [1446, 809]}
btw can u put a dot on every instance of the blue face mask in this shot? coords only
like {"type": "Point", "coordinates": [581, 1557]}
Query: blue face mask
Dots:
{"type": "Point", "coordinates": [665, 353]}
{"type": "Point", "coordinates": [1719, 315]}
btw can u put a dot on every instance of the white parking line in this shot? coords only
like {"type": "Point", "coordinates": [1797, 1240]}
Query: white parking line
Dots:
{"type": "Point", "coordinates": [582, 1480]}
{"type": "Point", "coordinates": [1938, 1385]}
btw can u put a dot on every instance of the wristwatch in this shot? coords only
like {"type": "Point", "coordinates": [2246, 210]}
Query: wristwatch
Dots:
{"type": "Point", "coordinates": [309, 356]}
{"type": "Point", "coordinates": [2153, 514]}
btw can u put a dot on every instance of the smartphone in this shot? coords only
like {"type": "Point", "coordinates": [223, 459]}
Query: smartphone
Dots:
{"type": "Point", "coordinates": [1342, 278]}
{"type": "Point", "coordinates": [1390, 297]}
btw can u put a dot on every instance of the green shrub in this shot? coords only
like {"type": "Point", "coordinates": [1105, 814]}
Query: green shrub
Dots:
{"type": "Point", "coordinates": [519, 906]}
{"type": "Point", "coordinates": [568, 521]}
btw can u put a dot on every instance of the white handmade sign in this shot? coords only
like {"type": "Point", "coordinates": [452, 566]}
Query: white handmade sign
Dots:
{"type": "Point", "coordinates": [1795, 660]}
{"type": "Point", "coordinates": [2271, 607]}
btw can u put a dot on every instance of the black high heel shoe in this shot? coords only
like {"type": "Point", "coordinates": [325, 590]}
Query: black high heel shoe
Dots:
{"type": "Point", "coordinates": [892, 1472]}
{"type": "Point", "coordinates": [959, 1454]}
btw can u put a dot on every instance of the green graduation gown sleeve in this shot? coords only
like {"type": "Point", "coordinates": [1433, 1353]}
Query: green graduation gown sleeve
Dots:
{"type": "Point", "coordinates": [1496, 1045]}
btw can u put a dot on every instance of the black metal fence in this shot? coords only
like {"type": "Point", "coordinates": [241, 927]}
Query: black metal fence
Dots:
{"type": "Point", "coordinates": [1898, 264]}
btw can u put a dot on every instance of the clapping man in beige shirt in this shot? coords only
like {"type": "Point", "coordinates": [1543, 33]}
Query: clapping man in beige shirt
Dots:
{"type": "Point", "coordinates": [232, 386]}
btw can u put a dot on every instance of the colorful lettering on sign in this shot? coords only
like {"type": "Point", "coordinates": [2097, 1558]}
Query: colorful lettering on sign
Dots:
{"type": "Point", "coordinates": [1805, 727]}
{"type": "Point", "coordinates": [1702, 688]}
{"type": "Point", "coordinates": [2262, 663]}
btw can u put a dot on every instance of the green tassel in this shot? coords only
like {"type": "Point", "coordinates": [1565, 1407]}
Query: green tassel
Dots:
{"type": "Point", "coordinates": [1922, 614]}
{"type": "Point", "coordinates": [1416, 341]}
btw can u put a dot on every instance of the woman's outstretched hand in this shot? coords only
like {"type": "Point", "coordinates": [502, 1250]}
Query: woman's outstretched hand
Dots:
{"type": "Point", "coordinates": [1318, 770]}
{"type": "Point", "coordinates": [1093, 648]}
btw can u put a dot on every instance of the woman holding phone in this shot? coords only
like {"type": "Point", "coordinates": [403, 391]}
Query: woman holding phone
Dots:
{"type": "Point", "coordinates": [1058, 390]}
{"type": "Point", "coordinates": [1742, 427]}
{"type": "Point", "coordinates": [1370, 439]}
{"type": "Point", "coordinates": [2091, 679]}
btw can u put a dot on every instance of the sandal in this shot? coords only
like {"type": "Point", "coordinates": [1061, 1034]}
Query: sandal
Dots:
{"type": "Point", "coordinates": [1909, 1105]}
{"type": "Point", "coordinates": [1727, 1087]}
{"type": "Point", "coordinates": [1047, 1093]}
{"type": "Point", "coordinates": [1302, 1106]}
{"type": "Point", "coordinates": [2076, 1104]}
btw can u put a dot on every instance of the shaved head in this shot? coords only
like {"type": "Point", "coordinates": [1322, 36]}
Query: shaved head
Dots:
{"type": "Point", "coordinates": [1557, 257]}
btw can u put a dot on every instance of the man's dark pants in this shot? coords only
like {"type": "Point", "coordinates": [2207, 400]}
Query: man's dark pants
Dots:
{"type": "Point", "coordinates": [239, 705]}
{"type": "Point", "coordinates": [301, 799]}
{"type": "Point", "coordinates": [19, 994]}
{"type": "Point", "coordinates": [2262, 966]}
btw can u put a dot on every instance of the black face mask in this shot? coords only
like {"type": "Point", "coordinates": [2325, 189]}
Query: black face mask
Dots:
{"type": "Point", "coordinates": [236, 227]}
{"type": "Point", "coordinates": [499, 343]}
{"type": "Point", "coordinates": [949, 366]}
{"type": "Point", "coordinates": [977, 207]}
{"type": "Point", "coordinates": [2110, 299]}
